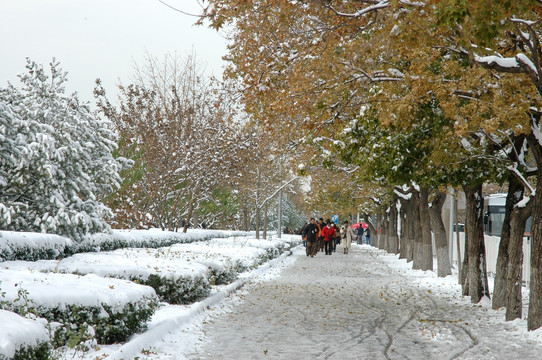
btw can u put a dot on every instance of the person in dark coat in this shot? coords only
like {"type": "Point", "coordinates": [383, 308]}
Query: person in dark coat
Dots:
{"type": "Point", "coordinates": [311, 233]}
{"type": "Point", "coordinates": [304, 235]}
{"type": "Point", "coordinates": [360, 235]}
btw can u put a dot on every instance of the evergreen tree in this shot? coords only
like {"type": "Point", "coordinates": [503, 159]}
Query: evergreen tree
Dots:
{"type": "Point", "coordinates": [57, 161]}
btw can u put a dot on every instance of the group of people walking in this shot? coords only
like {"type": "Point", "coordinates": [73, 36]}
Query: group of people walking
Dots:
{"type": "Point", "coordinates": [324, 236]}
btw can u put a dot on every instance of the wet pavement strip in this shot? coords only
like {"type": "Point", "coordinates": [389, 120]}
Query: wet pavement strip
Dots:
{"type": "Point", "coordinates": [352, 307]}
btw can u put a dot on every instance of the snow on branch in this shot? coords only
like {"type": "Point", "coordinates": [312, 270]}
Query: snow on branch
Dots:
{"type": "Point", "coordinates": [270, 197]}
{"type": "Point", "coordinates": [514, 170]}
{"type": "Point", "coordinates": [378, 77]}
{"type": "Point", "coordinates": [520, 63]}
{"type": "Point", "coordinates": [378, 6]}
{"type": "Point", "coordinates": [402, 195]}
{"type": "Point", "coordinates": [535, 129]}
{"type": "Point", "coordinates": [510, 64]}
{"type": "Point", "coordinates": [412, 3]}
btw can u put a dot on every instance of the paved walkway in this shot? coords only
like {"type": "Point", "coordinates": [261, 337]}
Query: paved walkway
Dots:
{"type": "Point", "coordinates": [356, 307]}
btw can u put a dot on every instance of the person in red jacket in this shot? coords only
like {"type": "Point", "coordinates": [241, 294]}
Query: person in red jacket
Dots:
{"type": "Point", "coordinates": [328, 232]}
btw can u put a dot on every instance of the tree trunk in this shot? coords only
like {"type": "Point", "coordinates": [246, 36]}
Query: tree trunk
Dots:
{"type": "Point", "coordinates": [534, 320]}
{"type": "Point", "coordinates": [377, 234]}
{"type": "Point", "coordinates": [265, 221]}
{"type": "Point", "coordinates": [514, 279]}
{"type": "Point", "coordinates": [392, 233]}
{"type": "Point", "coordinates": [403, 241]}
{"type": "Point", "coordinates": [195, 218]}
{"type": "Point", "coordinates": [457, 240]}
{"type": "Point", "coordinates": [383, 238]}
{"type": "Point", "coordinates": [188, 216]}
{"type": "Point", "coordinates": [500, 288]}
{"type": "Point", "coordinates": [246, 217]}
{"type": "Point", "coordinates": [427, 244]}
{"type": "Point", "coordinates": [410, 232]}
{"type": "Point", "coordinates": [371, 229]}
{"type": "Point", "coordinates": [257, 222]}
{"type": "Point", "coordinates": [463, 275]}
{"type": "Point", "coordinates": [441, 242]}
{"type": "Point", "coordinates": [477, 271]}
{"type": "Point", "coordinates": [417, 254]}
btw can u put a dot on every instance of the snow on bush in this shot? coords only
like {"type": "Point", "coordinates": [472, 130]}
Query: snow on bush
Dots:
{"type": "Point", "coordinates": [56, 159]}
{"type": "Point", "coordinates": [152, 238]}
{"type": "Point", "coordinates": [221, 258]}
{"type": "Point", "coordinates": [111, 310]}
{"type": "Point", "coordinates": [22, 338]}
{"type": "Point", "coordinates": [175, 282]}
{"type": "Point", "coordinates": [35, 246]}
{"type": "Point", "coordinates": [32, 246]}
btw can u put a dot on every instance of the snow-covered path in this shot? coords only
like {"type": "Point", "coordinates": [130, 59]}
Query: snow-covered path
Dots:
{"type": "Point", "coordinates": [364, 305]}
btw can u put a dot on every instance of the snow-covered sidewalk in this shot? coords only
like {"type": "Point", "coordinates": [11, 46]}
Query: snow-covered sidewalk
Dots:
{"type": "Point", "coordinates": [365, 305]}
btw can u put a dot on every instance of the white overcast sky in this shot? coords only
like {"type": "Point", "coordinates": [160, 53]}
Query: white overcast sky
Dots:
{"type": "Point", "coordinates": [101, 38]}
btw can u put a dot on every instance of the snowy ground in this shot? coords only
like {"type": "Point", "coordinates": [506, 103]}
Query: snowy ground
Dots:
{"type": "Point", "coordinates": [365, 305]}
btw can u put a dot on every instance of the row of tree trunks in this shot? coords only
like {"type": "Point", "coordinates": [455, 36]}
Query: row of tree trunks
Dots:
{"type": "Point", "coordinates": [415, 242]}
{"type": "Point", "coordinates": [417, 219]}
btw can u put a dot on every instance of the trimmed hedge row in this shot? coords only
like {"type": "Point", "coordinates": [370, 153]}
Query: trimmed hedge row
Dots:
{"type": "Point", "coordinates": [79, 307]}
{"type": "Point", "coordinates": [37, 246]}
{"type": "Point", "coordinates": [77, 325]}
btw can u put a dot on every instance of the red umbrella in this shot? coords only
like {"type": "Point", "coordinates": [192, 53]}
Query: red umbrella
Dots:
{"type": "Point", "coordinates": [357, 225]}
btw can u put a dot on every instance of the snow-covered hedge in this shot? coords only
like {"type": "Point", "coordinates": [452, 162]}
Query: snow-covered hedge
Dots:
{"type": "Point", "coordinates": [33, 246]}
{"type": "Point", "coordinates": [271, 248]}
{"type": "Point", "coordinates": [22, 338]}
{"type": "Point", "coordinates": [175, 282]}
{"type": "Point", "coordinates": [152, 238]}
{"type": "Point", "coordinates": [38, 246]}
{"type": "Point", "coordinates": [99, 307]}
{"type": "Point", "coordinates": [109, 310]}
